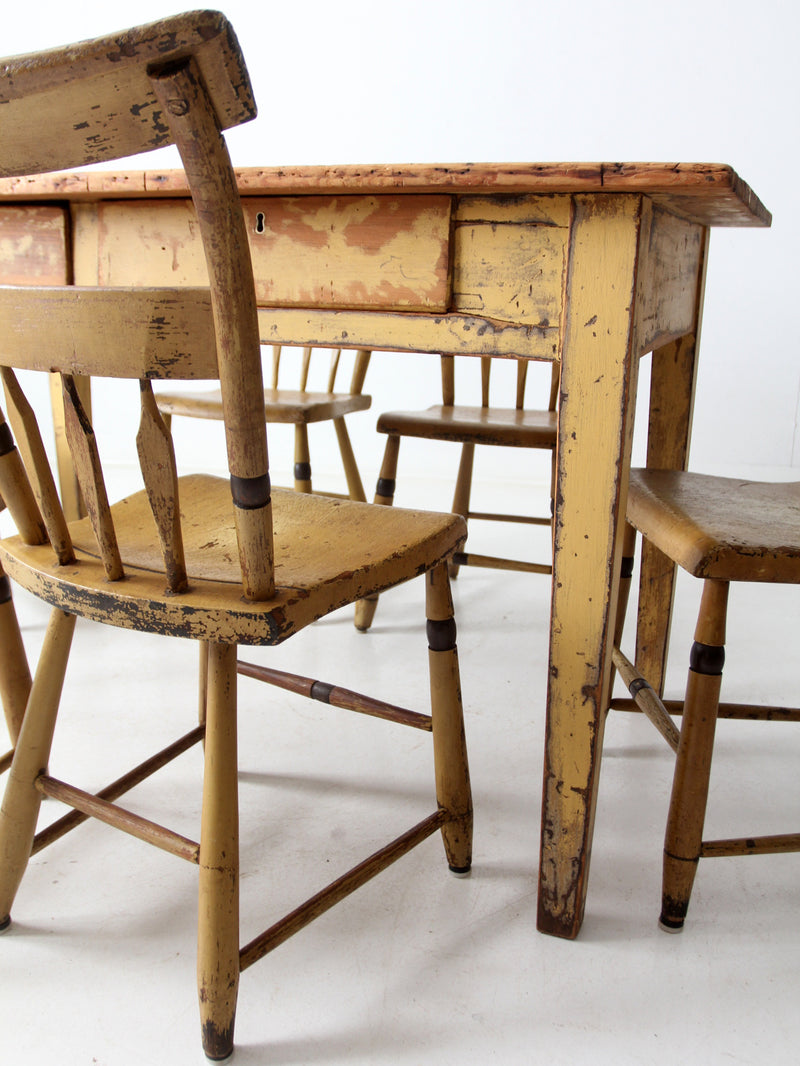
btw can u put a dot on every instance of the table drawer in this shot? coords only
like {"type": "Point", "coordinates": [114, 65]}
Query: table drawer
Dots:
{"type": "Point", "coordinates": [355, 252]}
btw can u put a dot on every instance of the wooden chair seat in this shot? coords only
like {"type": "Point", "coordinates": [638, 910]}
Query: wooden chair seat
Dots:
{"type": "Point", "coordinates": [723, 531]}
{"type": "Point", "coordinates": [507, 427]}
{"type": "Point", "coordinates": [722, 528]}
{"type": "Point", "coordinates": [280, 405]}
{"type": "Point", "coordinates": [328, 553]}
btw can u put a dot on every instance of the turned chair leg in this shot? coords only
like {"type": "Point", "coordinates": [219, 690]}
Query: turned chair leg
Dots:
{"type": "Point", "coordinates": [384, 494]}
{"type": "Point", "coordinates": [302, 459]}
{"type": "Point", "coordinates": [20, 808]}
{"type": "Point", "coordinates": [463, 491]}
{"type": "Point", "coordinates": [218, 914]}
{"type": "Point", "coordinates": [684, 834]}
{"type": "Point", "coordinates": [15, 675]}
{"type": "Point", "coordinates": [355, 488]}
{"type": "Point", "coordinates": [449, 746]}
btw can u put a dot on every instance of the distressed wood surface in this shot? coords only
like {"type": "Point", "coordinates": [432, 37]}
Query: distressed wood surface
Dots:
{"type": "Point", "coordinates": [194, 127]}
{"type": "Point", "coordinates": [157, 459]}
{"type": "Point", "coordinates": [670, 269]}
{"type": "Point", "coordinates": [33, 245]}
{"type": "Point", "coordinates": [529, 237]}
{"type": "Point", "coordinates": [89, 472]}
{"type": "Point", "coordinates": [329, 552]}
{"type": "Point", "coordinates": [160, 332]}
{"type": "Point", "coordinates": [86, 110]}
{"type": "Point", "coordinates": [457, 334]}
{"type": "Point", "coordinates": [710, 193]}
{"type": "Point", "coordinates": [381, 252]}
{"type": "Point", "coordinates": [595, 429]}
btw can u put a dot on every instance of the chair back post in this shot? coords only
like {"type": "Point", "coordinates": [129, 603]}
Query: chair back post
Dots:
{"type": "Point", "coordinates": [486, 373]}
{"type": "Point", "coordinates": [305, 366]}
{"type": "Point", "coordinates": [196, 131]}
{"type": "Point", "coordinates": [522, 379]}
{"type": "Point", "coordinates": [448, 365]}
{"type": "Point", "coordinates": [360, 367]}
{"type": "Point", "coordinates": [333, 369]}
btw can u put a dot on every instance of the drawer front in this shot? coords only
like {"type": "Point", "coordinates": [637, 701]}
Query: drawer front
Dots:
{"type": "Point", "coordinates": [354, 252]}
{"type": "Point", "coordinates": [33, 245]}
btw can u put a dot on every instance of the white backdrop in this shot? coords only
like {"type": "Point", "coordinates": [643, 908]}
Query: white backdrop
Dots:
{"type": "Point", "coordinates": [519, 80]}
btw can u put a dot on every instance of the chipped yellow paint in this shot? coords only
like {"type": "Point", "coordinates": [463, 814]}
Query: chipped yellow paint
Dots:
{"type": "Point", "coordinates": [33, 245]}
{"type": "Point", "coordinates": [593, 451]}
{"type": "Point", "coordinates": [370, 252]}
{"type": "Point", "coordinates": [353, 252]}
{"type": "Point", "coordinates": [510, 257]}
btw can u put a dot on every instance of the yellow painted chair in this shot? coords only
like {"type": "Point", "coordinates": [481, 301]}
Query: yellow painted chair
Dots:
{"type": "Point", "coordinates": [722, 531]}
{"type": "Point", "coordinates": [223, 561]}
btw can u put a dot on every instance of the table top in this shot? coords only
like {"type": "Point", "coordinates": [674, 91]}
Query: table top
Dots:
{"type": "Point", "coordinates": [711, 194]}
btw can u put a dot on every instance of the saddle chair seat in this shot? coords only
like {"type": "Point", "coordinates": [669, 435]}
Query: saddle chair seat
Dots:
{"type": "Point", "coordinates": [329, 553]}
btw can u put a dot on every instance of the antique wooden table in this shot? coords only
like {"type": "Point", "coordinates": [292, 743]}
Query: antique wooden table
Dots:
{"type": "Point", "coordinates": [590, 264]}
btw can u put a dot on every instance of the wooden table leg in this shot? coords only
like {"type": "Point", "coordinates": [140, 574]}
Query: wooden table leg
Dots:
{"type": "Point", "coordinates": [598, 383]}
{"type": "Point", "coordinates": [672, 388]}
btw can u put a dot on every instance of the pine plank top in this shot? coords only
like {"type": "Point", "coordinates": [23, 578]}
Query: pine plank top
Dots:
{"type": "Point", "coordinates": [712, 194]}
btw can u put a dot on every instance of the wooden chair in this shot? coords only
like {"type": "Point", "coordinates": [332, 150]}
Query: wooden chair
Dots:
{"type": "Point", "coordinates": [515, 427]}
{"type": "Point", "coordinates": [298, 407]}
{"type": "Point", "coordinates": [720, 530]}
{"type": "Point", "coordinates": [220, 561]}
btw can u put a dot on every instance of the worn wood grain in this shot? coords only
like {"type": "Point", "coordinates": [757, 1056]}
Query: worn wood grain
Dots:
{"type": "Point", "coordinates": [670, 268]}
{"type": "Point", "coordinates": [598, 371]}
{"type": "Point", "coordinates": [33, 245]}
{"type": "Point", "coordinates": [710, 193]}
{"type": "Point", "coordinates": [381, 252]}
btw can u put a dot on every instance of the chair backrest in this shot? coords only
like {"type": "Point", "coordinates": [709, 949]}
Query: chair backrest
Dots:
{"type": "Point", "coordinates": [178, 81]}
{"type": "Point", "coordinates": [449, 386]}
{"type": "Point", "coordinates": [359, 373]}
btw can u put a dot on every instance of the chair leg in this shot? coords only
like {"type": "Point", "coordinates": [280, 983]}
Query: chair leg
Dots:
{"type": "Point", "coordinates": [625, 575]}
{"type": "Point", "coordinates": [15, 675]}
{"type": "Point", "coordinates": [202, 685]}
{"type": "Point", "coordinates": [218, 914]}
{"type": "Point", "coordinates": [355, 488]}
{"type": "Point", "coordinates": [449, 745]}
{"type": "Point", "coordinates": [302, 459]}
{"type": "Point", "coordinates": [684, 834]}
{"type": "Point", "coordinates": [384, 494]}
{"type": "Point", "coordinates": [463, 491]}
{"type": "Point", "coordinates": [20, 808]}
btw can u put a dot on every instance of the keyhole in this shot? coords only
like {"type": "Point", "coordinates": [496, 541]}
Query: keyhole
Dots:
{"type": "Point", "coordinates": [260, 227]}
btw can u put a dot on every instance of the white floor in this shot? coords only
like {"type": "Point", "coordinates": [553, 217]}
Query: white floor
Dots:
{"type": "Point", "coordinates": [418, 967]}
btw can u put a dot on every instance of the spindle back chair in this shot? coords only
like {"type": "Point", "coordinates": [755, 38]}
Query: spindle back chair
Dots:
{"type": "Point", "coordinates": [224, 562]}
{"type": "Point", "coordinates": [722, 531]}
{"type": "Point", "coordinates": [299, 407]}
{"type": "Point", "coordinates": [512, 427]}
